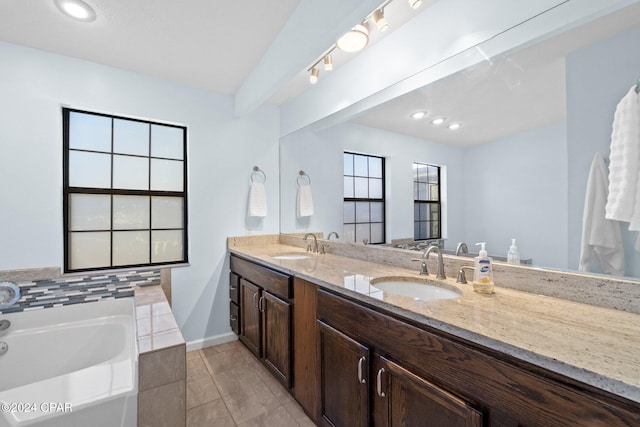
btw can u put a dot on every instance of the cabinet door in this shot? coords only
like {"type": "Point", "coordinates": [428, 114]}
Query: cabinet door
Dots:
{"type": "Point", "coordinates": [344, 371]}
{"type": "Point", "coordinates": [250, 319]}
{"type": "Point", "coordinates": [276, 348]}
{"type": "Point", "coordinates": [405, 399]}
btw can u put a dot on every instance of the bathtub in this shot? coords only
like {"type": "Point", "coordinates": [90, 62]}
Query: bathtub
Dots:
{"type": "Point", "coordinates": [74, 365]}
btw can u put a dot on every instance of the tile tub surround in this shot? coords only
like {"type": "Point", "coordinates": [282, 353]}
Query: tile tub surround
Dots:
{"type": "Point", "coordinates": [162, 361]}
{"type": "Point", "coordinates": [595, 345]}
{"type": "Point", "coordinates": [75, 289]}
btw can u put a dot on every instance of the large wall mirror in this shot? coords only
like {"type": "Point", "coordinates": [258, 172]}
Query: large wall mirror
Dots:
{"type": "Point", "coordinates": [531, 122]}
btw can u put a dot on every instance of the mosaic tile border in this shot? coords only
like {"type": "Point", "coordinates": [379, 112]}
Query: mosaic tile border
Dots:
{"type": "Point", "coordinates": [56, 292]}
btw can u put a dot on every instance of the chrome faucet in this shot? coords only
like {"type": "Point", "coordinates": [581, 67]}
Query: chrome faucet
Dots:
{"type": "Point", "coordinates": [315, 243]}
{"type": "Point", "coordinates": [333, 233]}
{"type": "Point", "coordinates": [462, 278]}
{"type": "Point", "coordinates": [462, 248]}
{"type": "Point", "coordinates": [425, 256]}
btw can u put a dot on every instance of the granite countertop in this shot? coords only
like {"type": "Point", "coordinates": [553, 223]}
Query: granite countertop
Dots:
{"type": "Point", "coordinates": [595, 345]}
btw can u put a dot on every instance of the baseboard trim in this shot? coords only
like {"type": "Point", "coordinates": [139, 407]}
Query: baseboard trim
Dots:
{"type": "Point", "coordinates": [208, 342]}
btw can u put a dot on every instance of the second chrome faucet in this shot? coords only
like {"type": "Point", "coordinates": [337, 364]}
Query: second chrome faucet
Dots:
{"type": "Point", "coordinates": [425, 256]}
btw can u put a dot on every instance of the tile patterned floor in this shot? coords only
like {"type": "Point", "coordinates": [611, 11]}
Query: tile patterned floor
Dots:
{"type": "Point", "coordinates": [229, 386]}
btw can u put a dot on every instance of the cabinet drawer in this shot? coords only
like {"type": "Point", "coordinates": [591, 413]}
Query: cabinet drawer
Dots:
{"type": "Point", "coordinates": [234, 288]}
{"type": "Point", "coordinates": [272, 281]}
{"type": "Point", "coordinates": [234, 317]}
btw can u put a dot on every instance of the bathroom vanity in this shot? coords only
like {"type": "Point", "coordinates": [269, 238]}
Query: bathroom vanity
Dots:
{"type": "Point", "coordinates": [355, 356]}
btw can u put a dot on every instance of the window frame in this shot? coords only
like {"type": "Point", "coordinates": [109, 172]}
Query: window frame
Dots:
{"type": "Point", "coordinates": [427, 203]}
{"type": "Point", "coordinates": [68, 190]}
{"type": "Point", "coordinates": [368, 199]}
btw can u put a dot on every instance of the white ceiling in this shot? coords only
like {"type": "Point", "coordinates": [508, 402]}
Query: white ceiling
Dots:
{"type": "Point", "coordinates": [203, 43]}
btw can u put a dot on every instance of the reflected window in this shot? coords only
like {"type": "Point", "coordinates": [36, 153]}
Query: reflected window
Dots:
{"type": "Point", "coordinates": [364, 217]}
{"type": "Point", "coordinates": [125, 199]}
{"type": "Point", "coordinates": [427, 221]}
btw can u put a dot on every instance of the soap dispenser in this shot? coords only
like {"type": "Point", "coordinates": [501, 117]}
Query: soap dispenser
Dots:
{"type": "Point", "coordinates": [513, 256]}
{"type": "Point", "coordinates": [483, 272]}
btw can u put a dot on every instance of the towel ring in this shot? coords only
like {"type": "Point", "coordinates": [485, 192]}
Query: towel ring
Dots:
{"type": "Point", "coordinates": [257, 172]}
{"type": "Point", "coordinates": [303, 179]}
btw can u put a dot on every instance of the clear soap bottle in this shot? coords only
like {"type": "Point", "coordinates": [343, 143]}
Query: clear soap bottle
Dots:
{"type": "Point", "coordinates": [483, 272]}
{"type": "Point", "coordinates": [513, 255]}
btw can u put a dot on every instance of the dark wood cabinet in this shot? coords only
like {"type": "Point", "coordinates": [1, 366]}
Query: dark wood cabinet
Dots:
{"type": "Point", "coordinates": [265, 310]}
{"type": "Point", "coordinates": [251, 319]}
{"type": "Point", "coordinates": [276, 353]}
{"type": "Point", "coordinates": [344, 372]}
{"type": "Point", "coordinates": [433, 379]}
{"type": "Point", "coordinates": [234, 302]}
{"type": "Point", "coordinates": [403, 398]}
{"type": "Point", "coordinates": [399, 397]}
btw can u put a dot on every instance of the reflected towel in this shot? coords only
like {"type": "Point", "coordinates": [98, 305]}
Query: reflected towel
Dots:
{"type": "Point", "coordinates": [257, 200]}
{"type": "Point", "coordinates": [304, 202]}
{"type": "Point", "coordinates": [623, 201]}
{"type": "Point", "coordinates": [601, 238]}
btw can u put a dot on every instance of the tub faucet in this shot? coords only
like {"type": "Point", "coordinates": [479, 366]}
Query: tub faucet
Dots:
{"type": "Point", "coordinates": [425, 256]}
{"type": "Point", "coordinates": [462, 248]}
{"type": "Point", "coordinates": [315, 242]}
{"type": "Point", "coordinates": [333, 233]}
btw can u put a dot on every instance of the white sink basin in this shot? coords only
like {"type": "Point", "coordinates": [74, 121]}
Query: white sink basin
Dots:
{"type": "Point", "coordinates": [415, 288]}
{"type": "Point", "coordinates": [291, 256]}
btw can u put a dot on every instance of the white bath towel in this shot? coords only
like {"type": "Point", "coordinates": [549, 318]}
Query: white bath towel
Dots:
{"type": "Point", "coordinates": [601, 238]}
{"type": "Point", "coordinates": [623, 201]}
{"type": "Point", "coordinates": [304, 202]}
{"type": "Point", "coordinates": [257, 200]}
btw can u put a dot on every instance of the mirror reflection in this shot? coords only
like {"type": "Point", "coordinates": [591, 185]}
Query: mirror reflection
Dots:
{"type": "Point", "coordinates": [512, 140]}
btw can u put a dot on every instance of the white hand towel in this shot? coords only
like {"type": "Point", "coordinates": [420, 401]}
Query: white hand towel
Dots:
{"type": "Point", "coordinates": [624, 169]}
{"type": "Point", "coordinates": [601, 238]}
{"type": "Point", "coordinates": [257, 200]}
{"type": "Point", "coordinates": [304, 202]}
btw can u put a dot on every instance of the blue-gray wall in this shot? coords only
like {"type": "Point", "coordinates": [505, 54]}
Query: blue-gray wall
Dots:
{"type": "Point", "coordinates": [597, 78]}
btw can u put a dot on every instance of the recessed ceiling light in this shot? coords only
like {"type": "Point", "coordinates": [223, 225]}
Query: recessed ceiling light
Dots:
{"type": "Point", "coordinates": [354, 40]}
{"type": "Point", "coordinates": [76, 9]}
{"type": "Point", "coordinates": [438, 121]}
{"type": "Point", "coordinates": [418, 114]}
{"type": "Point", "coordinates": [415, 3]}
{"type": "Point", "coordinates": [454, 126]}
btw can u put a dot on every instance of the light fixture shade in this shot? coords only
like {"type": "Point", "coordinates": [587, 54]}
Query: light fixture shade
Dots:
{"type": "Point", "coordinates": [76, 9]}
{"type": "Point", "coordinates": [328, 65]}
{"type": "Point", "coordinates": [354, 40]}
{"type": "Point", "coordinates": [313, 78]}
{"type": "Point", "coordinates": [381, 22]}
{"type": "Point", "coordinates": [415, 3]}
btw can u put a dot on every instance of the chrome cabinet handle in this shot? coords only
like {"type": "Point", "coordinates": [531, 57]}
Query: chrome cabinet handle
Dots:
{"type": "Point", "coordinates": [233, 288]}
{"type": "Point", "coordinates": [261, 305]}
{"type": "Point", "coordinates": [360, 379]}
{"type": "Point", "coordinates": [234, 318]}
{"type": "Point", "coordinates": [379, 382]}
{"type": "Point", "coordinates": [254, 300]}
